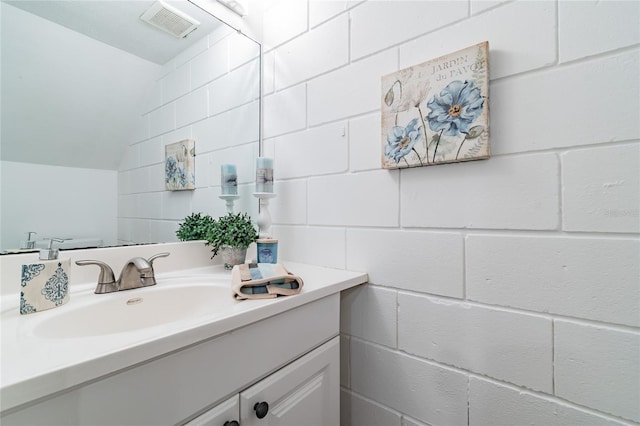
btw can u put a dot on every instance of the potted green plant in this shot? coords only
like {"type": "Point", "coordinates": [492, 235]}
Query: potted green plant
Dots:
{"type": "Point", "coordinates": [196, 226]}
{"type": "Point", "coordinates": [231, 235]}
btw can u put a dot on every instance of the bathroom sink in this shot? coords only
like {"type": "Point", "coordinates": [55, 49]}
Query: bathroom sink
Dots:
{"type": "Point", "coordinates": [124, 311]}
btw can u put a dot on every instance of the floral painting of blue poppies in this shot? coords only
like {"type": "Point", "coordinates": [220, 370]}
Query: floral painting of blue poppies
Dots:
{"type": "Point", "coordinates": [179, 165]}
{"type": "Point", "coordinates": [437, 112]}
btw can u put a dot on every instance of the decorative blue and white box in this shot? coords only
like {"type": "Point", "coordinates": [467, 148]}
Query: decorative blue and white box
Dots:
{"type": "Point", "coordinates": [44, 285]}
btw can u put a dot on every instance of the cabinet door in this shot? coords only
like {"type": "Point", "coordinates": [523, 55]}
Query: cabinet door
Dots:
{"type": "Point", "coordinates": [223, 414]}
{"type": "Point", "coordinates": [304, 393]}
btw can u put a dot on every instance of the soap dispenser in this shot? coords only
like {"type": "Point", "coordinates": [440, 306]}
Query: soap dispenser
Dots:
{"type": "Point", "coordinates": [45, 283]}
{"type": "Point", "coordinates": [29, 244]}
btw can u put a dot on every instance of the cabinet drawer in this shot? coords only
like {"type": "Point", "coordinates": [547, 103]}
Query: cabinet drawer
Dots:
{"type": "Point", "coordinates": [221, 414]}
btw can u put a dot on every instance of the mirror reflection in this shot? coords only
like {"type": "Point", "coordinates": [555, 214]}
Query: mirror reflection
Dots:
{"type": "Point", "coordinates": [91, 97]}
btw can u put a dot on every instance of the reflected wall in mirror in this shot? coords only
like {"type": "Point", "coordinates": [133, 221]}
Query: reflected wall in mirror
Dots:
{"type": "Point", "coordinates": [86, 116]}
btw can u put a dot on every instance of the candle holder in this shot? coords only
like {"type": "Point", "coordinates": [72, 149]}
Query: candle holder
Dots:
{"type": "Point", "coordinates": [230, 199]}
{"type": "Point", "coordinates": [264, 218]}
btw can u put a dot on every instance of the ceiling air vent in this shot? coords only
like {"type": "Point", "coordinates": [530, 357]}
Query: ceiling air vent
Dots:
{"type": "Point", "coordinates": [169, 19]}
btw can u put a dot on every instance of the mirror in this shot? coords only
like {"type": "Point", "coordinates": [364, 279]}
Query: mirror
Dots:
{"type": "Point", "coordinates": [92, 95]}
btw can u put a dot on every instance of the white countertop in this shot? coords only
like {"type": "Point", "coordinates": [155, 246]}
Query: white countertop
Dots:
{"type": "Point", "coordinates": [34, 367]}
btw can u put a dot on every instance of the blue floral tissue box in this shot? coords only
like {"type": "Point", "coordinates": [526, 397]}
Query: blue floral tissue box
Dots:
{"type": "Point", "coordinates": [44, 285]}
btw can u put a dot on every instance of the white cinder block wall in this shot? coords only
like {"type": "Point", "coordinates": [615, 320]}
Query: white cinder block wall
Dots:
{"type": "Point", "coordinates": [208, 95]}
{"type": "Point", "coordinates": [501, 292]}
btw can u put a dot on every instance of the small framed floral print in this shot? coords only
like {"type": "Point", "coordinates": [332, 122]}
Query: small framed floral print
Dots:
{"type": "Point", "coordinates": [437, 112]}
{"type": "Point", "coordinates": [179, 165]}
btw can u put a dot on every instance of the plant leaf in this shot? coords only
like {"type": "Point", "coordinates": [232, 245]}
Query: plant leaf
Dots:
{"type": "Point", "coordinates": [475, 131]}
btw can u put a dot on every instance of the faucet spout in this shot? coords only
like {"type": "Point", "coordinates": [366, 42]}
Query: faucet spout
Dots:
{"type": "Point", "coordinates": [136, 273]}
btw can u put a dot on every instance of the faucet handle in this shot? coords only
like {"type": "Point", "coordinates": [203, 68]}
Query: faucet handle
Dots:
{"type": "Point", "coordinates": [155, 256]}
{"type": "Point", "coordinates": [106, 279]}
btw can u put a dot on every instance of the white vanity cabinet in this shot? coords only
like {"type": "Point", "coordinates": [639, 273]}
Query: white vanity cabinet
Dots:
{"type": "Point", "coordinates": [304, 392]}
{"type": "Point", "coordinates": [289, 360]}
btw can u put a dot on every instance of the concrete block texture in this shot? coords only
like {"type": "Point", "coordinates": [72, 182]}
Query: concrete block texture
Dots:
{"type": "Point", "coordinates": [597, 366]}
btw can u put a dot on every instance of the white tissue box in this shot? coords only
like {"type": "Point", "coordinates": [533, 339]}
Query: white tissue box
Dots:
{"type": "Point", "coordinates": [44, 285]}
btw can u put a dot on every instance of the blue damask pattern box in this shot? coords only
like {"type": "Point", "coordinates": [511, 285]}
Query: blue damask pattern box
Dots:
{"type": "Point", "coordinates": [44, 285]}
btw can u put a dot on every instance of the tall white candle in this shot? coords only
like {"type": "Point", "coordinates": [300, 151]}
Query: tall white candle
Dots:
{"type": "Point", "coordinates": [264, 174]}
{"type": "Point", "coordinates": [229, 177]}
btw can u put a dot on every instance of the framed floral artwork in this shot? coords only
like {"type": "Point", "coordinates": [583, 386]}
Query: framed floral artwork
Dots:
{"type": "Point", "coordinates": [179, 165]}
{"type": "Point", "coordinates": [437, 112]}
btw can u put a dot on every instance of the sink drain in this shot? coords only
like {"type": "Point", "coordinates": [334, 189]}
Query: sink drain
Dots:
{"type": "Point", "coordinates": [135, 301]}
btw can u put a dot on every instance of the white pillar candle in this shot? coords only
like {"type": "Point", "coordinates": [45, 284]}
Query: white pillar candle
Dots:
{"type": "Point", "coordinates": [264, 174]}
{"type": "Point", "coordinates": [229, 178]}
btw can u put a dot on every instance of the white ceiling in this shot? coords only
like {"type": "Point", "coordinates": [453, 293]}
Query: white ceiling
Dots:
{"type": "Point", "coordinates": [70, 101]}
{"type": "Point", "coordinates": [117, 23]}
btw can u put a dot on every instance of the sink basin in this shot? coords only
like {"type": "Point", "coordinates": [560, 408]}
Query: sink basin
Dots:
{"type": "Point", "coordinates": [93, 314]}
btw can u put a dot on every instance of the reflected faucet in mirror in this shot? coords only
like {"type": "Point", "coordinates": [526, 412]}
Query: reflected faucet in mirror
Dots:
{"type": "Point", "coordinates": [137, 272]}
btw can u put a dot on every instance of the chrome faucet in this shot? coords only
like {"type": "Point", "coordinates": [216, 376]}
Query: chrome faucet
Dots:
{"type": "Point", "coordinates": [137, 272]}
